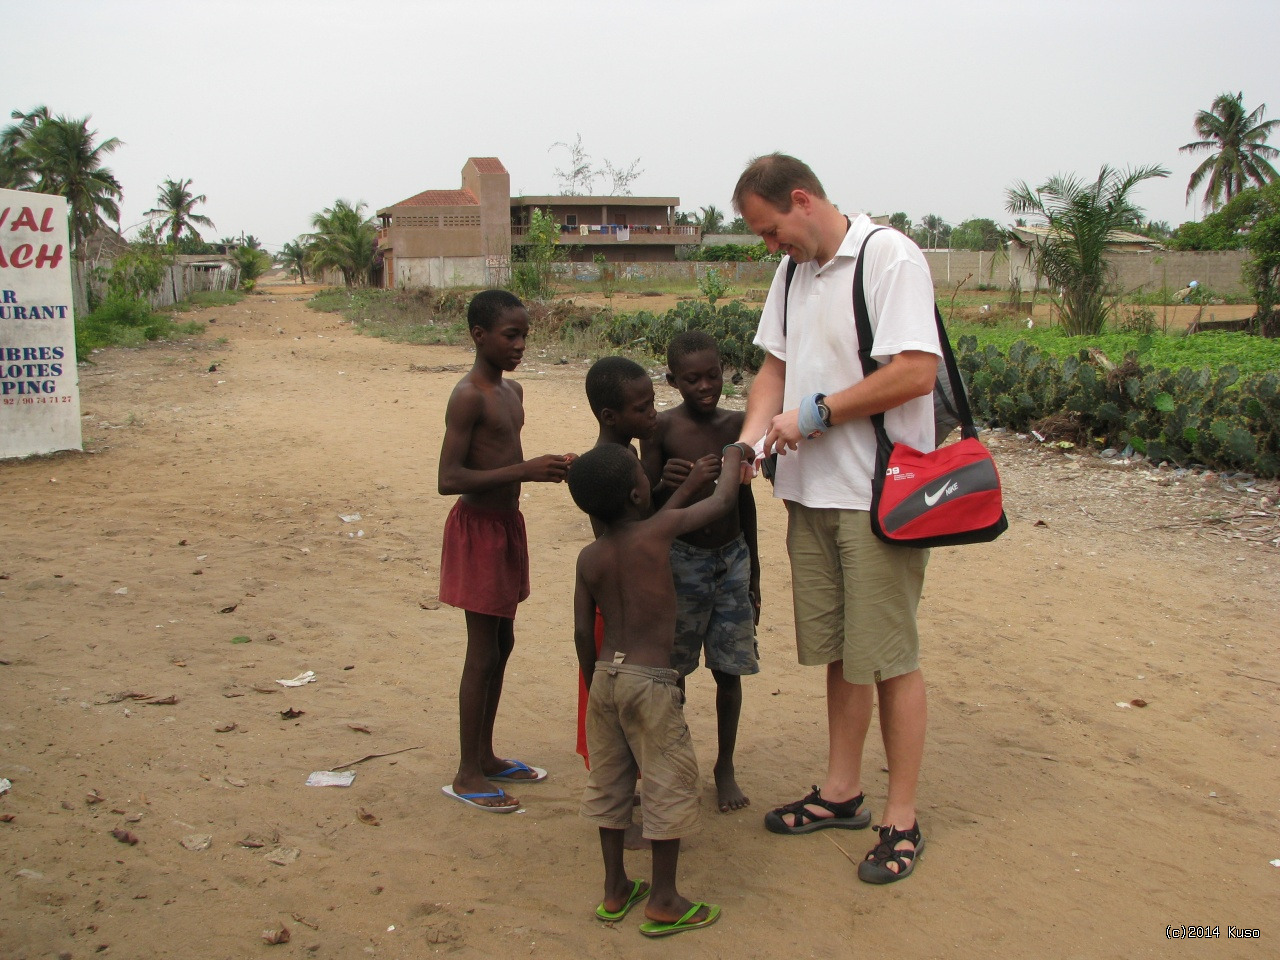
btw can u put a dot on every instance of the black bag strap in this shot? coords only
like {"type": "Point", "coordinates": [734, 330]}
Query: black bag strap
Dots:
{"type": "Point", "coordinates": [869, 365]}
{"type": "Point", "coordinates": [786, 294]}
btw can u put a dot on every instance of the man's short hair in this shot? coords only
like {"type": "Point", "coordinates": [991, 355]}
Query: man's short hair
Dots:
{"type": "Point", "coordinates": [691, 341]}
{"type": "Point", "coordinates": [488, 305]}
{"type": "Point", "coordinates": [607, 380]}
{"type": "Point", "coordinates": [601, 481]}
{"type": "Point", "coordinates": [772, 178]}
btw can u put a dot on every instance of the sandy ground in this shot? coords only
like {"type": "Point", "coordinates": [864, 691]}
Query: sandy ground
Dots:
{"type": "Point", "coordinates": [1064, 819]}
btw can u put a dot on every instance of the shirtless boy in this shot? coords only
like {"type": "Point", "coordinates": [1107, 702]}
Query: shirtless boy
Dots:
{"type": "Point", "coordinates": [716, 567]}
{"type": "Point", "coordinates": [635, 719]}
{"type": "Point", "coordinates": [484, 563]}
{"type": "Point", "coordinates": [620, 395]}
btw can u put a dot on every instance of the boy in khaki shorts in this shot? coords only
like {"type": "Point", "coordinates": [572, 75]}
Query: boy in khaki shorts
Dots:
{"type": "Point", "coordinates": [635, 713]}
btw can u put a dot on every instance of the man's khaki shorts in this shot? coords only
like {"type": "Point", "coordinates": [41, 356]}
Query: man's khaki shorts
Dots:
{"type": "Point", "coordinates": [635, 724]}
{"type": "Point", "coordinates": [855, 597]}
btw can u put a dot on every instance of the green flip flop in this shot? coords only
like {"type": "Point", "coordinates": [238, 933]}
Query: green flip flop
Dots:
{"type": "Point", "coordinates": [655, 928]}
{"type": "Point", "coordinates": [639, 890]}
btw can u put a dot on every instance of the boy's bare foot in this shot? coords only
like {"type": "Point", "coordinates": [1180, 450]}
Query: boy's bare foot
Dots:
{"type": "Point", "coordinates": [671, 911]}
{"type": "Point", "coordinates": [485, 795]}
{"type": "Point", "coordinates": [618, 904]}
{"type": "Point", "coordinates": [634, 839]}
{"type": "Point", "coordinates": [513, 771]}
{"type": "Point", "coordinates": [729, 793]}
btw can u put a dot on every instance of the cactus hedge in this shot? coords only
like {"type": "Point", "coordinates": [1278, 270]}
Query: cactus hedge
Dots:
{"type": "Point", "coordinates": [1219, 418]}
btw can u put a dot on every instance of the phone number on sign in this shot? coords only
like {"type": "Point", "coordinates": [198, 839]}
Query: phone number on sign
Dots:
{"type": "Point", "coordinates": [10, 401]}
{"type": "Point", "coordinates": [1180, 932]}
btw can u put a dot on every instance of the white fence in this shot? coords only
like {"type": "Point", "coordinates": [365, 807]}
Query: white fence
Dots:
{"type": "Point", "coordinates": [178, 283]}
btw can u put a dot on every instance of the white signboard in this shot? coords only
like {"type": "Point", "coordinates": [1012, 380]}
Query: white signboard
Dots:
{"type": "Point", "coordinates": [39, 387]}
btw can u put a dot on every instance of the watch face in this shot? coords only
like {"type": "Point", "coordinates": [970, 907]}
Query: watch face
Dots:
{"type": "Point", "coordinates": [825, 412]}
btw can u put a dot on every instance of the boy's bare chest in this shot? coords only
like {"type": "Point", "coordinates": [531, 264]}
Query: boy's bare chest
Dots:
{"type": "Point", "coordinates": [688, 440]}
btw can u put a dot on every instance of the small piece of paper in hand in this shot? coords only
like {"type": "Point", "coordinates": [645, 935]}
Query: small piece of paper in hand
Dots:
{"type": "Point", "coordinates": [300, 680]}
{"type": "Point", "coordinates": [331, 778]}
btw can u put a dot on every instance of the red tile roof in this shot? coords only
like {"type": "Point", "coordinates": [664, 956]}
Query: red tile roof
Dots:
{"type": "Point", "coordinates": [488, 165]}
{"type": "Point", "coordinates": [441, 198]}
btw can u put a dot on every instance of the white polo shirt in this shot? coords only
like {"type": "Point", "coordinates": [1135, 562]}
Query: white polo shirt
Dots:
{"type": "Point", "coordinates": [820, 349]}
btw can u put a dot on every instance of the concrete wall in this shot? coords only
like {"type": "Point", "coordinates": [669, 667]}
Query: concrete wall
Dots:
{"type": "Point", "coordinates": [1150, 270]}
{"type": "Point", "coordinates": [754, 274]}
{"type": "Point", "coordinates": [413, 273]}
{"type": "Point", "coordinates": [1216, 270]}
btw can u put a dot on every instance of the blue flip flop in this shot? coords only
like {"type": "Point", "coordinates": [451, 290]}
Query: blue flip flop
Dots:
{"type": "Point", "coordinates": [470, 799]}
{"type": "Point", "coordinates": [656, 928]}
{"type": "Point", "coordinates": [517, 767]}
{"type": "Point", "coordinates": [637, 895]}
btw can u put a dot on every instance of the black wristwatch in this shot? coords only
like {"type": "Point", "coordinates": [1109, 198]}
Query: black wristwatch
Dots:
{"type": "Point", "coordinates": [823, 410]}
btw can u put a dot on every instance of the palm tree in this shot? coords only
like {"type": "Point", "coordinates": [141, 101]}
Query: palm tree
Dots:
{"type": "Point", "coordinates": [711, 219]}
{"type": "Point", "coordinates": [1081, 218]}
{"type": "Point", "coordinates": [345, 240]}
{"type": "Point", "coordinates": [1242, 150]}
{"type": "Point", "coordinates": [67, 163]}
{"type": "Point", "coordinates": [17, 169]}
{"type": "Point", "coordinates": [933, 228]}
{"type": "Point", "coordinates": [175, 207]}
{"type": "Point", "coordinates": [294, 255]}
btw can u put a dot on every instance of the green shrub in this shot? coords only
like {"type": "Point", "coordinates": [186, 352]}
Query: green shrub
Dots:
{"type": "Point", "coordinates": [1219, 418]}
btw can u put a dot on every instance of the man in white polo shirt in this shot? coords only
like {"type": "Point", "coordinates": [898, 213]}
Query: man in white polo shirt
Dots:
{"type": "Point", "coordinates": [855, 597]}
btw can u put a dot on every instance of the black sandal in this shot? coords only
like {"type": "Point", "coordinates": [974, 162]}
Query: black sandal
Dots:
{"type": "Point", "coordinates": [875, 869]}
{"type": "Point", "coordinates": [844, 816]}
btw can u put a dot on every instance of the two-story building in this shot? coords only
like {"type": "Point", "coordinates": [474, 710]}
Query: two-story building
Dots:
{"type": "Point", "coordinates": [624, 229]}
{"type": "Point", "coordinates": [464, 237]}
{"type": "Point", "coordinates": [449, 238]}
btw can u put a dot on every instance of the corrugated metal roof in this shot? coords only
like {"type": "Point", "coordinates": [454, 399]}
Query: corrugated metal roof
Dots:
{"type": "Point", "coordinates": [1116, 237]}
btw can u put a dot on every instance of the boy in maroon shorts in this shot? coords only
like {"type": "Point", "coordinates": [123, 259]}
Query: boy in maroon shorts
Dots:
{"type": "Point", "coordinates": [484, 563]}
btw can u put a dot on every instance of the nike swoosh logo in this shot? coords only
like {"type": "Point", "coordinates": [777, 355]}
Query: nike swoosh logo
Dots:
{"type": "Point", "coordinates": [932, 498]}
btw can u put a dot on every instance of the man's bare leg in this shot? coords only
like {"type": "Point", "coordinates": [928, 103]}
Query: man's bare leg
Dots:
{"type": "Point", "coordinates": [849, 708]}
{"type": "Point", "coordinates": [903, 716]}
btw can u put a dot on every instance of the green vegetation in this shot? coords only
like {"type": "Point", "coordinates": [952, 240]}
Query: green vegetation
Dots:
{"type": "Point", "coordinates": [124, 318]}
{"type": "Point", "coordinates": [175, 206]}
{"type": "Point", "coordinates": [1081, 218]}
{"type": "Point", "coordinates": [58, 155]}
{"type": "Point", "coordinates": [253, 263]}
{"type": "Point", "coordinates": [1220, 418]}
{"type": "Point", "coordinates": [295, 256]}
{"type": "Point", "coordinates": [418, 316]}
{"type": "Point", "coordinates": [713, 285]}
{"type": "Point", "coordinates": [532, 272]}
{"type": "Point", "coordinates": [1242, 154]}
{"type": "Point", "coordinates": [344, 239]}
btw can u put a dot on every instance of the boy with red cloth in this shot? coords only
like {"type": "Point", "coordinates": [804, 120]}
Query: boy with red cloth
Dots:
{"type": "Point", "coordinates": [484, 563]}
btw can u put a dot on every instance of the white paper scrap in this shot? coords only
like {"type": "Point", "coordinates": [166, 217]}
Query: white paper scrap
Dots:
{"type": "Point", "coordinates": [349, 517]}
{"type": "Point", "coordinates": [300, 680]}
{"type": "Point", "coordinates": [331, 778]}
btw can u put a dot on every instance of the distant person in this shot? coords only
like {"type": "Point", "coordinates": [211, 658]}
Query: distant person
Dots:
{"type": "Point", "coordinates": [716, 567]}
{"type": "Point", "coordinates": [1184, 295]}
{"type": "Point", "coordinates": [484, 562]}
{"type": "Point", "coordinates": [635, 717]}
{"type": "Point", "coordinates": [855, 597]}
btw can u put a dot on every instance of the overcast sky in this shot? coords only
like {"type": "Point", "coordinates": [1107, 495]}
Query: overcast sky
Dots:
{"type": "Point", "coordinates": [275, 108]}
